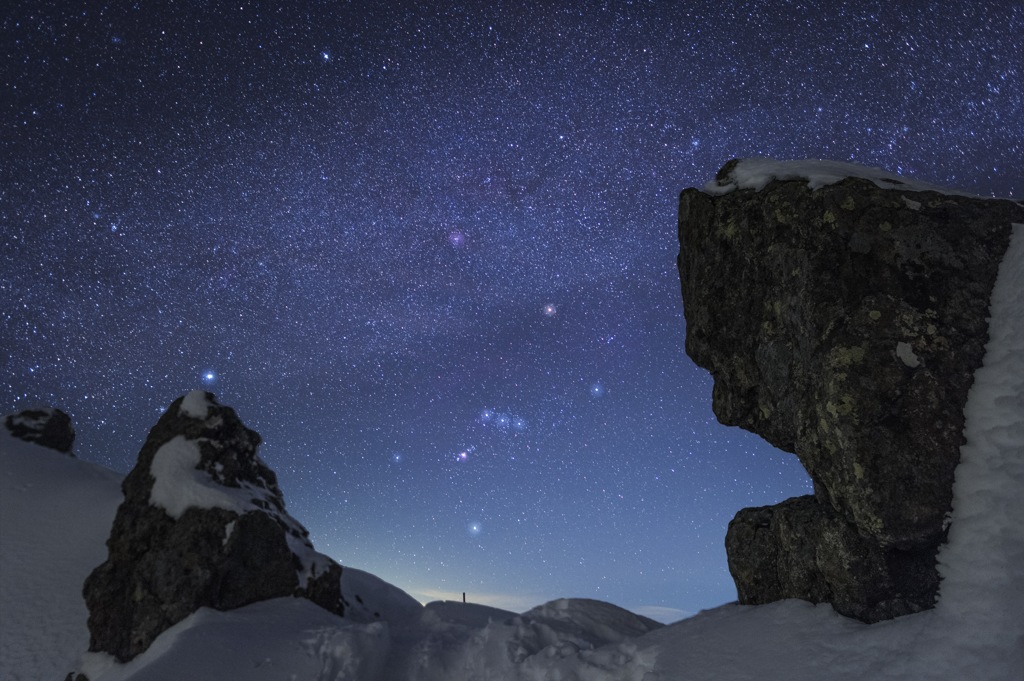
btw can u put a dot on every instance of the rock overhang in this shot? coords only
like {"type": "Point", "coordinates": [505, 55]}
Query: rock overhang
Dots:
{"type": "Point", "coordinates": [842, 312]}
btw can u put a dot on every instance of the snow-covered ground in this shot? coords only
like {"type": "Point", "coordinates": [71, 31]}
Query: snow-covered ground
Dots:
{"type": "Point", "coordinates": [55, 513]}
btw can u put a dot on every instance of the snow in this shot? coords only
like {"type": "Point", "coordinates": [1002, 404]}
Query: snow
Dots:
{"type": "Point", "coordinates": [906, 355]}
{"type": "Point", "coordinates": [55, 513]}
{"type": "Point", "coordinates": [285, 638]}
{"type": "Point", "coordinates": [178, 486]}
{"type": "Point", "coordinates": [756, 173]}
{"type": "Point", "coordinates": [912, 205]}
{"type": "Point", "coordinates": [32, 423]}
{"type": "Point", "coordinates": [196, 404]}
{"type": "Point", "coordinates": [382, 601]}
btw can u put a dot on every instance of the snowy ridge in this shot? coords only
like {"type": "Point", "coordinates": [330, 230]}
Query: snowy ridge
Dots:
{"type": "Point", "coordinates": [179, 486]}
{"type": "Point", "coordinates": [756, 173]}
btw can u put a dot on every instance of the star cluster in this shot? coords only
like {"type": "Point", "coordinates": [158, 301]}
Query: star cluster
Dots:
{"type": "Point", "coordinates": [427, 251]}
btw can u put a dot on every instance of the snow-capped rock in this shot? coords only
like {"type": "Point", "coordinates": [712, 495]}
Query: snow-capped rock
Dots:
{"type": "Point", "coordinates": [203, 524]}
{"type": "Point", "coordinates": [47, 427]}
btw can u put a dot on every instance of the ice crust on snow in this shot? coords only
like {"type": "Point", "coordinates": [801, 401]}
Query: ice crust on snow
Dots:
{"type": "Point", "coordinates": [756, 173]}
{"type": "Point", "coordinates": [975, 631]}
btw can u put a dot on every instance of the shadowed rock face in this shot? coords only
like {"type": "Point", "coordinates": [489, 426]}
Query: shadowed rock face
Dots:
{"type": "Point", "coordinates": [46, 427]}
{"type": "Point", "coordinates": [843, 324]}
{"type": "Point", "coordinates": [202, 525]}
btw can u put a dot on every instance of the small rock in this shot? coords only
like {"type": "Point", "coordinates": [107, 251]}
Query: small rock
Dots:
{"type": "Point", "coordinates": [46, 427]}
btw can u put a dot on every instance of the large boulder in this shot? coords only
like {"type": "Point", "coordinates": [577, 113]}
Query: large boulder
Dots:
{"type": "Point", "coordinates": [203, 524]}
{"type": "Point", "coordinates": [46, 427]}
{"type": "Point", "coordinates": [842, 313]}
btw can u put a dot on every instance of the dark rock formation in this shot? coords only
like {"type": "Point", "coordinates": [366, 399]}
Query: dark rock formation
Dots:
{"type": "Point", "coordinates": [46, 427]}
{"type": "Point", "coordinates": [843, 324]}
{"type": "Point", "coordinates": [203, 523]}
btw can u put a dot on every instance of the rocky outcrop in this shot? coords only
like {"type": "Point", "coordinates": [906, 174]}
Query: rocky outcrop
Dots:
{"type": "Point", "coordinates": [46, 427]}
{"type": "Point", "coordinates": [844, 324]}
{"type": "Point", "coordinates": [203, 524]}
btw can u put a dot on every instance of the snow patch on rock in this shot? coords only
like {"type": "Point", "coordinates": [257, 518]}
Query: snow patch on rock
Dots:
{"type": "Point", "coordinates": [906, 355]}
{"type": "Point", "coordinates": [982, 592]}
{"type": "Point", "coordinates": [178, 485]}
{"type": "Point", "coordinates": [756, 173]}
{"type": "Point", "coordinates": [196, 404]}
{"type": "Point", "coordinates": [912, 205]}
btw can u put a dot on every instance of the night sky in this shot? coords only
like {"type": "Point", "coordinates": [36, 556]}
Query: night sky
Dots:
{"type": "Point", "coordinates": [427, 251]}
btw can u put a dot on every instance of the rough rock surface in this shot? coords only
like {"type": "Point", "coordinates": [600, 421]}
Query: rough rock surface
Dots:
{"type": "Point", "coordinates": [202, 524]}
{"type": "Point", "coordinates": [46, 427]}
{"type": "Point", "coordinates": [843, 324]}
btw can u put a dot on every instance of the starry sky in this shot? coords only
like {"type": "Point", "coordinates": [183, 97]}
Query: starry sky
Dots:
{"type": "Point", "coordinates": [427, 250]}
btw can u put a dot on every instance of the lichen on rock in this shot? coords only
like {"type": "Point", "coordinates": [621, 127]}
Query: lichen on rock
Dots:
{"type": "Point", "coordinates": [842, 320]}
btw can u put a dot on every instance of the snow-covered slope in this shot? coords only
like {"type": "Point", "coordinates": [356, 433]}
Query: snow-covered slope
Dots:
{"type": "Point", "coordinates": [55, 513]}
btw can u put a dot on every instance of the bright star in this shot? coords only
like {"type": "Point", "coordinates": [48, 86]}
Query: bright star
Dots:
{"type": "Point", "coordinates": [475, 529]}
{"type": "Point", "coordinates": [597, 389]}
{"type": "Point", "coordinates": [209, 377]}
{"type": "Point", "coordinates": [550, 310]}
